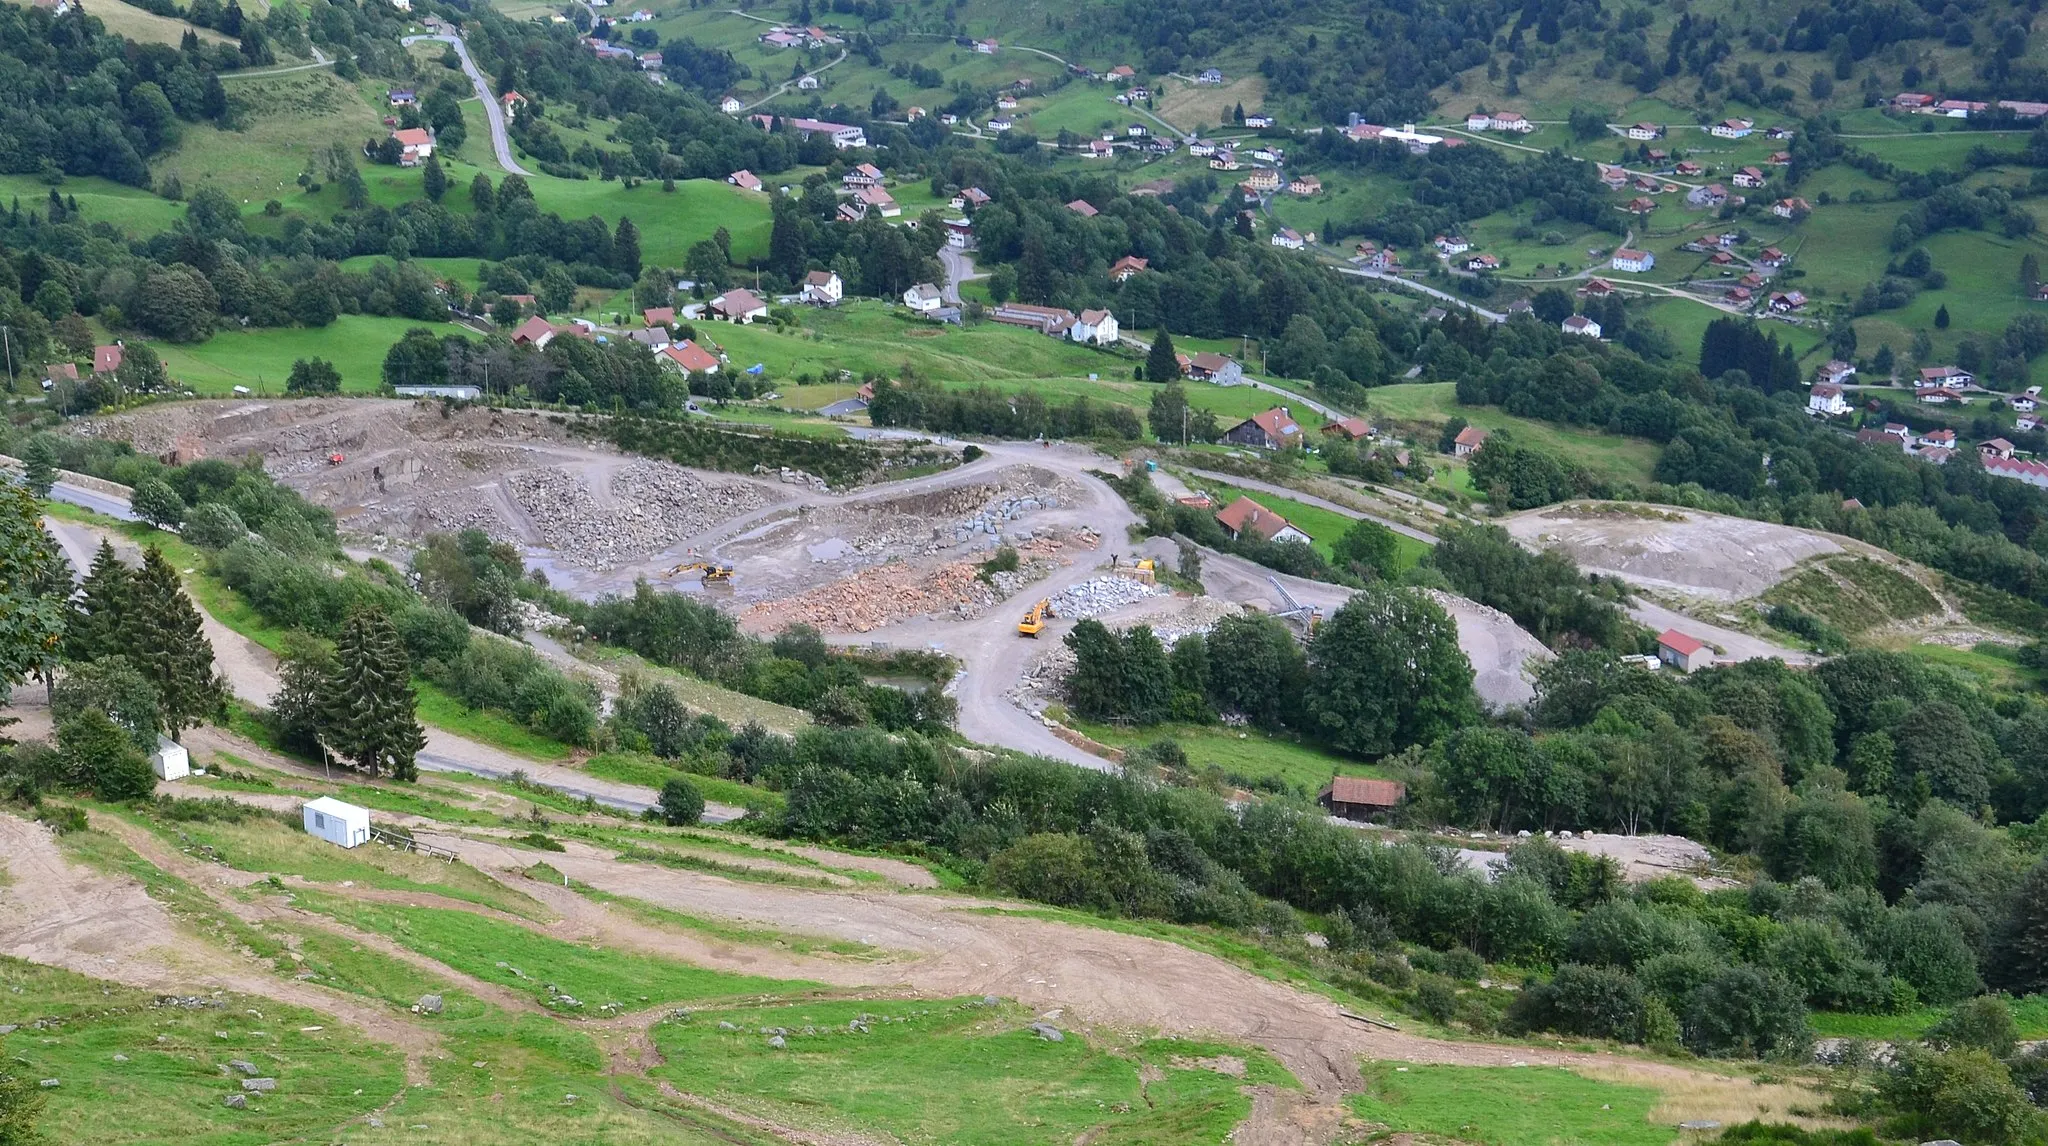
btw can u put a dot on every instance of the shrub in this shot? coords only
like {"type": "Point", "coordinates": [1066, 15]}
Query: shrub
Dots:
{"type": "Point", "coordinates": [1984, 1022]}
{"type": "Point", "coordinates": [1746, 1010]}
{"type": "Point", "coordinates": [681, 802]}
{"type": "Point", "coordinates": [1600, 1002]}
{"type": "Point", "coordinates": [214, 526]}
{"type": "Point", "coordinates": [1436, 999]}
{"type": "Point", "coordinates": [1963, 1094]}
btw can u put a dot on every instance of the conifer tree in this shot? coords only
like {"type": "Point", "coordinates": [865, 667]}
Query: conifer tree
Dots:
{"type": "Point", "coordinates": [433, 180]}
{"type": "Point", "coordinates": [367, 712]}
{"type": "Point", "coordinates": [39, 466]}
{"type": "Point", "coordinates": [162, 635]}
{"type": "Point", "coordinates": [99, 618]}
{"type": "Point", "coordinates": [1160, 363]}
{"type": "Point", "coordinates": [626, 248]}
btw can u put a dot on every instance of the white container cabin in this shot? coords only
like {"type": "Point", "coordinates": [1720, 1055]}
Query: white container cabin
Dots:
{"type": "Point", "coordinates": [170, 761]}
{"type": "Point", "coordinates": [343, 825]}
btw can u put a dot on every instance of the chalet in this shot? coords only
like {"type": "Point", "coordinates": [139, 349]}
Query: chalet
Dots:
{"type": "Point", "coordinates": [1657, 154]}
{"type": "Point", "coordinates": [1937, 440]}
{"type": "Point", "coordinates": [402, 97]}
{"type": "Point", "coordinates": [1083, 208]}
{"type": "Point", "coordinates": [1644, 132]}
{"type": "Point", "coordinates": [1639, 206]}
{"type": "Point", "coordinates": [1946, 377]}
{"type": "Point", "coordinates": [1435, 314]}
{"type": "Point", "coordinates": [1648, 183]}
{"type": "Point", "coordinates": [865, 175]}
{"type": "Point", "coordinates": [658, 316]}
{"type": "Point", "coordinates": [1365, 132]}
{"type": "Point", "coordinates": [879, 201]}
{"type": "Point", "coordinates": [1899, 430]}
{"type": "Point", "coordinates": [1354, 429]}
{"type": "Point", "coordinates": [512, 103]}
{"type": "Point", "coordinates": [1125, 267]}
{"type": "Point", "coordinates": [1519, 307]}
{"type": "Point", "coordinates": [1247, 518]}
{"type": "Point", "coordinates": [651, 61]}
{"type": "Point", "coordinates": [652, 337]}
{"type": "Point", "coordinates": [1688, 167]}
{"type": "Point", "coordinates": [1202, 148]}
{"type": "Point", "coordinates": [1580, 324]}
{"type": "Point", "coordinates": [923, 298]}
{"type": "Point", "coordinates": [1826, 400]}
{"type": "Point", "coordinates": [1752, 280]}
{"type": "Point", "coordinates": [851, 212]}
{"type": "Point", "coordinates": [987, 47]}
{"type": "Point", "coordinates": [741, 306]}
{"type": "Point", "coordinates": [1740, 295]}
{"type": "Point", "coordinates": [688, 358]}
{"type": "Point", "coordinates": [1006, 103]}
{"type": "Point", "coordinates": [1779, 134]}
{"type": "Point", "coordinates": [744, 180]}
{"type": "Point", "coordinates": [1995, 448]}
{"type": "Point", "coordinates": [1631, 260]}
{"type": "Point", "coordinates": [1779, 159]}
{"type": "Point", "coordinates": [1305, 185]}
{"type": "Point", "coordinates": [1707, 195]}
{"type": "Point", "coordinates": [1597, 288]}
{"type": "Point", "coordinates": [535, 332]}
{"type": "Point", "coordinates": [1684, 653]}
{"type": "Point", "coordinates": [1937, 396]}
{"type": "Point", "coordinates": [1770, 257]}
{"type": "Point", "coordinates": [107, 359]}
{"type": "Point", "coordinates": [1477, 121]}
{"type": "Point", "coordinates": [57, 372]}
{"type": "Point", "coordinates": [1451, 245]}
{"type": "Point", "coordinates": [2027, 423]}
{"type": "Point", "coordinates": [1100, 149]}
{"type": "Point", "coordinates": [415, 144]}
{"type": "Point", "coordinates": [1878, 438]}
{"type": "Point", "coordinates": [2027, 402]}
{"type": "Point", "coordinates": [1749, 177]}
{"type": "Point", "coordinates": [1837, 372]}
{"type": "Point", "coordinates": [1211, 367]}
{"type": "Point", "coordinates": [1289, 238]}
{"type": "Point", "coordinates": [1468, 441]}
{"type": "Point", "coordinates": [1122, 72]}
{"type": "Point", "coordinates": [1273, 429]}
{"type": "Point", "coordinates": [1612, 176]}
{"type": "Point", "coordinates": [1224, 160]}
{"type": "Point", "coordinates": [1355, 798]}
{"type": "Point", "coordinates": [1001, 123]}
{"type": "Point", "coordinates": [1732, 129]}
{"type": "Point", "coordinates": [914, 113]}
{"type": "Point", "coordinates": [971, 197]}
{"type": "Point", "coordinates": [640, 16]}
{"type": "Point", "coordinates": [1502, 121]}
{"type": "Point", "coordinates": [1263, 179]}
{"type": "Point", "coordinates": [823, 288]}
{"type": "Point", "coordinates": [1785, 302]}
{"type": "Point", "coordinates": [1791, 208]}
{"type": "Point", "coordinates": [1258, 121]}
{"type": "Point", "coordinates": [1937, 455]}
{"type": "Point", "coordinates": [1483, 263]}
{"type": "Point", "coordinates": [1095, 326]}
{"type": "Point", "coordinates": [2032, 473]}
{"type": "Point", "coordinates": [1044, 319]}
{"type": "Point", "coordinates": [1721, 259]}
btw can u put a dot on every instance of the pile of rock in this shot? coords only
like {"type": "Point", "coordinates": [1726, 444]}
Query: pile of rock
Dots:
{"type": "Point", "coordinates": [1099, 595]}
{"type": "Point", "coordinates": [648, 507]}
{"type": "Point", "coordinates": [879, 596]}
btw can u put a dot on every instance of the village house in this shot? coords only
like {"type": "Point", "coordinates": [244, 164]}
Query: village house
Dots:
{"type": "Point", "coordinates": [731, 105]}
{"type": "Point", "coordinates": [652, 337]}
{"type": "Point", "coordinates": [1211, 367]}
{"type": "Point", "coordinates": [1770, 257]}
{"type": "Point", "coordinates": [1263, 179]}
{"type": "Point", "coordinates": [1779, 134]}
{"type": "Point", "coordinates": [1258, 121]}
{"type": "Point", "coordinates": [1612, 176]}
{"type": "Point", "coordinates": [1121, 73]}
{"type": "Point", "coordinates": [851, 212]}
{"type": "Point", "coordinates": [1272, 429]}
{"type": "Point", "coordinates": [1937, 396]}
{"type": "Point", "coordinates": [844, 136]}
{"type": "Point", "coordinates": [1946, 377]}
{"type": "Point", "coordinates": [1639, 206]}
{"type": "Point", "coordinates": [1995, 448]}
{"type": "Point", "coordinates": [1451, 245]}
{"type": "Point", "coordinates": [1354, 429]}
{"type": "Point", "coordinates": [1684, 653]}
{"type": "Point", "coordinates": [1732, 129]}
{"type": "Point", "coordinates": [512, 103]}
{"type": "Point", "coordinates": [879, 201]}
{"type": "Point", "coordinates": [688, 358]}
{"type": "Point", "coordinates": [1468, 441]}
{"type": "Point", "coordinates": [2032, 473]}
{"type": "Point", "coordinates": [1483, 263]}
{"type": "Point", "coordinates": [987, 47]}
{"type": "Point", "coordinates": [1749, 177]}
{"type": "Point", "coordinates": [923, 298]}
{"type": "Point", "coordinates": [1785, 302]}
{"type": "Point", "coordinates": [1083, 208]}
{"type": "Point", "coordinates": [864, 175]}
{"type": "Point", "coordinates": [1289, 239]}
{"type": "Point", "coordinates": [1937, 440]}
{"type": "Point", "coordinates": [1597, 288]}
{"type": "Point", "coordinates": [1836, 372]}
{"type": "Point", "coordinates": [959, 234]}
{"type": "Point", "coordinates": [1644, 132]}
{"type": "Point", "coordinates": [1100, 149]}
{"type": "Point", "coordinates": [1826, 400]}
{"type": "Point", "coordinates": [823, 288]}
{"type": "Point", "coordinates": [1125, 267]}
{"type": "Point", "coordinates": [536, 332]}
{"type": "Point", "coordinates": [741, 306]}
{"type": "Point", "coordinates": [1006, 103]}
{"type": "Point", "coordinates": [1044, 319]}
{"type": "Point", "coordinates": [1707, 195]}
{"type": "Point", "coordinates": [650, 61]}
{"type": "Point", "coordinates": [415, 145]}
{"type": "Point", "coordinates": [1247, 518]}
{"type": "Point", "coordinates": [1779, 159]}
{"type": "Point", "coordinates": [744, 180]}
{"type": "Point", "coordinates": [2026, 402]}
{"type": "Point", "coordinates": [807, 83]}
{"type": "Point", "coordinates": [658, 316]}
{"type": "Point", "coordinates": [1209, 76]}
{"type": "Point", "coordinates": [1580, 324]}
{"type": "Point", "coordinates": [1097, 327]}
{"type": "Point", "coordinates": [402, 97]}
{"type": "Point", "coordinates": [1361, 800]}
{"type": "Point", "coordinates": [107, 359]}
{"type": "Point", "coordinates": [1631, 260]}
{"type": "Point", "coordinates": [1305, 185]}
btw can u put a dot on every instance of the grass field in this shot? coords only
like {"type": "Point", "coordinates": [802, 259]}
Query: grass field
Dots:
{"type": "Point", "coordinates": [1324, 525]}
{"type": "Point", "coordinates": [1508, 1106]}
{"type": "Point", "coordinates": [958, 1071]}
{"type": "Point", "coordinates": [169, 1089]}
{"type": "Point", "coordinates": [261, 359]}
{"type": "Point", "coordinates": [1434, 403]}
{"type": "Point", "coordinates": [648, 772]}
{"type": "Point", "coordinates": [2030, 1014]}
{"type": "Point", "coordinates": [146, 27]}
{"type": "Point", "coordinates": [1246, 753]}
{"type": "Point", "coordinates": [100, 200]}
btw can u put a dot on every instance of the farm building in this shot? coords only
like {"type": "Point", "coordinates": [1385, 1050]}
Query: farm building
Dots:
{"type": "Point", "coordinates": [1684, 653]}
{"type": "Point", "coordinates": [1354, 798]}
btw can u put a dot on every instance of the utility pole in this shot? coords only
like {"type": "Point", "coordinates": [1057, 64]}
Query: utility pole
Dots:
{"type": "Point", "coordinates": [7, 340]}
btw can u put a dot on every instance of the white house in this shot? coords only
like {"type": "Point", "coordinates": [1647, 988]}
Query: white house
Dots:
{"type": "Point", "coordinates": [343, 825]}
{"type": "Point", "coordinates": [1096, 326]}
{"type": "Point", "coordinates": [1946, 377]}
{"type": "Point", "coordinates": [1644, 131]}
{"type": "Point", "coordinates": [2028, 402]}
{"type": "Point", "coordinates": [923, 298]}
{"type": "Point", "coordinates": [1258, 121]}
{"type": "Point", "coordinates": [1732, 128]}
{"type": "Point", "coordinates": [730, 105]}
{"type": "Point", "coordinates": [1580, 324]}
{"type": "Point", "coordinates": [1826, 400]}
{"type": "Point", "coordinates": [823, 288]}
{"type": "Point", "coordinates": [1684, 653]}
{"type": "Point", "coordinates": [170, 761]}
{"type": "Point", "coordinates": [959, 234]}
{"type": "Point", "coordinates": [739, 306]}
{"type": "Point", "coordinates": [1837, 372]}
{"type": "Point", "coordinates": [1289, 238]}
{"type": "Point", "coordinates": [1451, 245]}
{"type": "Point", "coordinates": [1631, 260]}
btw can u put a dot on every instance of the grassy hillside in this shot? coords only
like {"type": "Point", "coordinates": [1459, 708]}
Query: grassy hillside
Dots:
{"type": "Point", "coordinates": [1434, 403]}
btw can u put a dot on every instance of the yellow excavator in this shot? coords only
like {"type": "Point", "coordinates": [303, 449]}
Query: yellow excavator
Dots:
{"type": "Point", "coordinates": [714, 574]}
{"type": "Point", "coordinates": [1034, 621]}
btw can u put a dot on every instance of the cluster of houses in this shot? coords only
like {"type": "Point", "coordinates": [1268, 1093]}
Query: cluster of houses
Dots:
{"type": "Point", "coordinates": [1513, 121]}
{"type": "Point", "coordinates": [789, 37]}
{"type": "Point", "coordinates": [1418, 142]}
{"type": "Point", "coordinates": [1092, 327]}
{"type": "Point", "coordinates": [105, 361]}
{"type": "Point", "coordinates": [1921, 103]}
{"type": "Point", "coordinates": [844, 136]}
{"type": "Point", "coordinates": [1936, 385]}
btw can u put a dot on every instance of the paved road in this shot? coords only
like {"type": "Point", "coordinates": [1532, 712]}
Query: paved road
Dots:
{"type": "Point", "coordinates": [320, 60]}
{"type": "Point", "coordinates": [959, 269]}
{"type": "Point", "coordinates": [501, 142]}
{"type": "Point", "coordinates": [1410, 284]}
{"type": "Point", "coordinates": [785, 85]}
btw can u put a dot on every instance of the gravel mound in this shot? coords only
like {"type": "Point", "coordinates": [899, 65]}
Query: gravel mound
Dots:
{"type": "Point", "coordinates": [647, 507]}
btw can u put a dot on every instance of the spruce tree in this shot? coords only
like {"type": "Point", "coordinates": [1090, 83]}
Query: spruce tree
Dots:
{"type": "Point", "coordinates": [626, 248]}
{"type": "Point", "coordinates": [162, 635]}
{"type": "Point", "coordinates": [433, 180]}
{"type": "Point", "coordinates": [367, 712]}
{"type": "Point", "coordinates": [39, 466]}
{"type": "Point", "coordinates": [99, 618]}
{"type": "Point", "coordinates": [1160, 363]}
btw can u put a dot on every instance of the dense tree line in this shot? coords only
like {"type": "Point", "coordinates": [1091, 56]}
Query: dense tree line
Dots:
{"type": "Point", "coordinates": [1001, 414]}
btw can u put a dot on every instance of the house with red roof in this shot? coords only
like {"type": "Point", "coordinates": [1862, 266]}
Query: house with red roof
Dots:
{"type": "Point", "coordinates": [688, 358]}
{"type": "Point", "coordinates": [1245, 517]}
{"type": "Point", "coordinates": [1682, 652]}
{"type": "Point", "coordinates": [1273, 429]}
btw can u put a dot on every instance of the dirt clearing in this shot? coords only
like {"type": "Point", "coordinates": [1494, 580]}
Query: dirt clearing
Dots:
{"type": "Point", "coordinates": [1681, 551]}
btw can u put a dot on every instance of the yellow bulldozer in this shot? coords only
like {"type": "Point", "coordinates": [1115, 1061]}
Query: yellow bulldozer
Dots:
{"type": "Point", "coordinates": [1034, 621]}
{"type": "Point", "coordinates": [714, 574]}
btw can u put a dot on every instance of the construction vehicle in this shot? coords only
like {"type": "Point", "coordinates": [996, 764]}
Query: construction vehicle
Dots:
{"type": "Point", "coordinates": [1034, 621]}
{"type": "Point", "coordinates": [714, 574]}
{"type": "Point", "coordinates": [1142, 569]}
{"type": "Point", "coordinates": [336, 459]}
{"type": "Point", "coordinates": [1309, 617]}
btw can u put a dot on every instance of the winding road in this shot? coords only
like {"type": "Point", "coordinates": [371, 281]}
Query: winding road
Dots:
{"type": "Point", "coordinates": [501, 140]}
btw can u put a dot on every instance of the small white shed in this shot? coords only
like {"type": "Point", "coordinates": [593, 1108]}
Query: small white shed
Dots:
{"type": "Point", "coordinates": [170, 761]}
{"type": "Point", "coordinates": [344, 825]}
